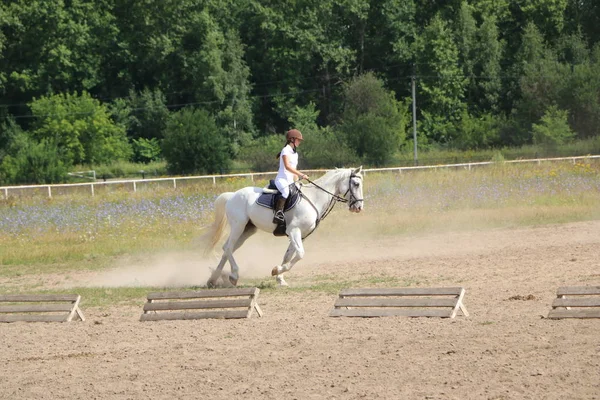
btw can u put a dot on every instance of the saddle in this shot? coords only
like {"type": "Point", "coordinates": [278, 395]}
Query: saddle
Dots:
{"type": "Point", "coordinates": [270, 195]}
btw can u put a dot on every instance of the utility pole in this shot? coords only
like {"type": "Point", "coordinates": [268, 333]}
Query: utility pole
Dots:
{"type": "Point", "coordinates": [414, 112]}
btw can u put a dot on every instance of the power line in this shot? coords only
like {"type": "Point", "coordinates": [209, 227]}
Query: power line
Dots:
{"type": "Point", "coordinates": [290, 93]}
{"type": "Point", "coordinates": [292, 80]}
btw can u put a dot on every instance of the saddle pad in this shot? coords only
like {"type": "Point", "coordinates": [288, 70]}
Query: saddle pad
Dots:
{"type": "Point", "coordinates": [268, 200]}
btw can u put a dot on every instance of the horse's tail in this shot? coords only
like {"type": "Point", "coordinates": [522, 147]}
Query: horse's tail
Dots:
{"type": "Point", "coordinates": [217, 228]}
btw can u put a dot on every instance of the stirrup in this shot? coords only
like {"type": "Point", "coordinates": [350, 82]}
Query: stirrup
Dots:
{"type": "Point", "coordinates": [278, 218]}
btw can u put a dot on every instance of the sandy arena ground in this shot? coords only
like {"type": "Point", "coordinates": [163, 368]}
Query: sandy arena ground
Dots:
{"type": "Point", "coordinates": [506, 349]}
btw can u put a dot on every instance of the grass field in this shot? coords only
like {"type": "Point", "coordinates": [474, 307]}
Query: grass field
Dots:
{"type": "Point", "coordinates": [73, 233]}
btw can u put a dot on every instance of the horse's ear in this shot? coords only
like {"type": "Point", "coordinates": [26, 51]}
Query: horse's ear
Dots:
{"type": "Point", "coordinates": [358, 170]}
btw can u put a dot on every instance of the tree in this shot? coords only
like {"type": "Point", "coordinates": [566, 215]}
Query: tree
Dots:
{"type": "Point", "coordinates": [441, 81]}
{"type": "Point", "coordinates": [582, 97]}
{"type": "Point", "coordinates": [82, 126]}
{"type": "Point", "coordinates": [488, 59]}
{"type": "Point", "coordinates": [148, 114]}
{"type": "Point", "coordinates": [543, 80]}
{"type": "Point", "coordinates": [299, 51]}
{"type": "Point", "coordinates": [3, 22]}
{"type": "Point", "coordinates": [391, 31]}
{"type": "Point", "coordinates": [480, 54]}
{"type": "Point", "coordinates": [193, 144]}
{"type": "Point", "coordinates": [548, 15]}
{"type": "Point", "coordinates": [54, 46]}
{"type": "Point", "coordinates": [372, 121]}
{"type": "Point", "coordinates": [234, 111]}
{"type": "Point", "coordinates": [466, 42]}
{"type": "Point", "coordinates": [583, 15]}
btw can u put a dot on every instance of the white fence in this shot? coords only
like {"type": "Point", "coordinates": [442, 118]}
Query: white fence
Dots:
{"type": "Point", "coordinates": [134, 184]}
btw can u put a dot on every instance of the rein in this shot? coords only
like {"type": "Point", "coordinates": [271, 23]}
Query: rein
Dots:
{"type": "Point", "coordinates": [335, 196]}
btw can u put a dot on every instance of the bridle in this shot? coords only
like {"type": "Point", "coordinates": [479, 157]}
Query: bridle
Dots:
{"type": "Point", "coordinates": [353, 199]}
{"type": "Point", "coordinates": [342, 199]}
{"type": "Point", "coordinates": [334, 199]}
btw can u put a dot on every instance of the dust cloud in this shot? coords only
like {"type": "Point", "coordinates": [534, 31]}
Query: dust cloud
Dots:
{"type": "Point", "coordinates": [343, 237]}
{"type": "Point", "coordinates": [191, 268]}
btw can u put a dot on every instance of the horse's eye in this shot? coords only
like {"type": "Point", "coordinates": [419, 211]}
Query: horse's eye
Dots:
{"type": "Point", "coordinates": [355, 184]}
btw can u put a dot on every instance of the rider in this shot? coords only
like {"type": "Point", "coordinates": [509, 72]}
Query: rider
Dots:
{"type": "Point", "coordinates": [287, 174]}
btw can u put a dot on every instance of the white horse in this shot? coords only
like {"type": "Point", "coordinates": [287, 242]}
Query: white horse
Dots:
{"type": "Point", "coordinates": [245, 217]}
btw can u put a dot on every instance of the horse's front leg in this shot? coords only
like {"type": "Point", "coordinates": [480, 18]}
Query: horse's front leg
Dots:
{"type": "Point", "coordinates": [278, 270]}
{"type": "Point", "coordinates": [293, 254]}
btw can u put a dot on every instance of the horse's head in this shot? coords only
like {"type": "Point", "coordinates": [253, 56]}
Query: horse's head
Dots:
{"type": "Point", "coordinates": [353, 190]}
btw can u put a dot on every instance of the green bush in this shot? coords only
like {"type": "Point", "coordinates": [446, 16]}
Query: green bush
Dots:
{"type": "Point", "coordinates": [146, 150]}
{"type": "Point", "coordinates": [81, 126]}
{"type": "Point", "coordinates": [477, 132]}
{"type": "Point", "coordinates": [261, 154]}
{"type": "Point", "coordinates": [553, 129]}
{"type": "Point", "coordinates": [326, 149]}
{"type": "Point", "coordinates": [193, 144]}
{"type": "Point", "coordinates": [33, 163]}
{"type": "Point", "coordinates": [373, 121]}
{"type": "Point", "coordinates": [323, 147]}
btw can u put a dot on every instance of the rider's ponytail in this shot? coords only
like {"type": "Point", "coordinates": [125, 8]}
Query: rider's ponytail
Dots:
{"type": "Point", "coordinates": [286, 143]}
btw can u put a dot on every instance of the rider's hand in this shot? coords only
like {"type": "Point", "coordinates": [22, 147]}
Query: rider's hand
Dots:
{"type": "Point", "coordinates": [304, 176]}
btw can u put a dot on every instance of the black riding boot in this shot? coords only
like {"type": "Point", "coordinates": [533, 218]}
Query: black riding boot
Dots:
{"type": "Point", "coordinates": [279, 218]}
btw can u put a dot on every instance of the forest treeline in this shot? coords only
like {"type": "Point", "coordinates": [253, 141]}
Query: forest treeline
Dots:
{"type": "Point", "coordinates": [204, 83]}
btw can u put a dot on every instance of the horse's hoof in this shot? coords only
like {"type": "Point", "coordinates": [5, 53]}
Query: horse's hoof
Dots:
{"type": "Point", "coordinates": [233, 280]}
{"type": "Point", "coordinates": [275, 271]}
{"type": "Point", "coordinates": [211, 284]}
{"type": "Point", "coordinates": [282, 282]}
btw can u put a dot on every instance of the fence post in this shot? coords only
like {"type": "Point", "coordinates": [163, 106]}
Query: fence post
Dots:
{"type": "Point", "coordinates": [49, 192]}
{"type": "Point", "coordinates": [92, 186]}
{"type": "Point", "coordinates": [174, 183]}
{"type": "Point", "coordinates": [134, 187]}
{"type": "Point", "coordinates": [214, 181]}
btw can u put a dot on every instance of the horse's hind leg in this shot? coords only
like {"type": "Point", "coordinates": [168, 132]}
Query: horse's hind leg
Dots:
{"type": "Point", "coordinates": [249, 229]}
{"type": "Point", "coordinates": [212, 281]}
{"type": "Point", "coordinates": [237, 237]}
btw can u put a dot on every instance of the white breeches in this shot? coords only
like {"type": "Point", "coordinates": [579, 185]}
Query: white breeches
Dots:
{"type": "Point", "coordinates": [283, 186]}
